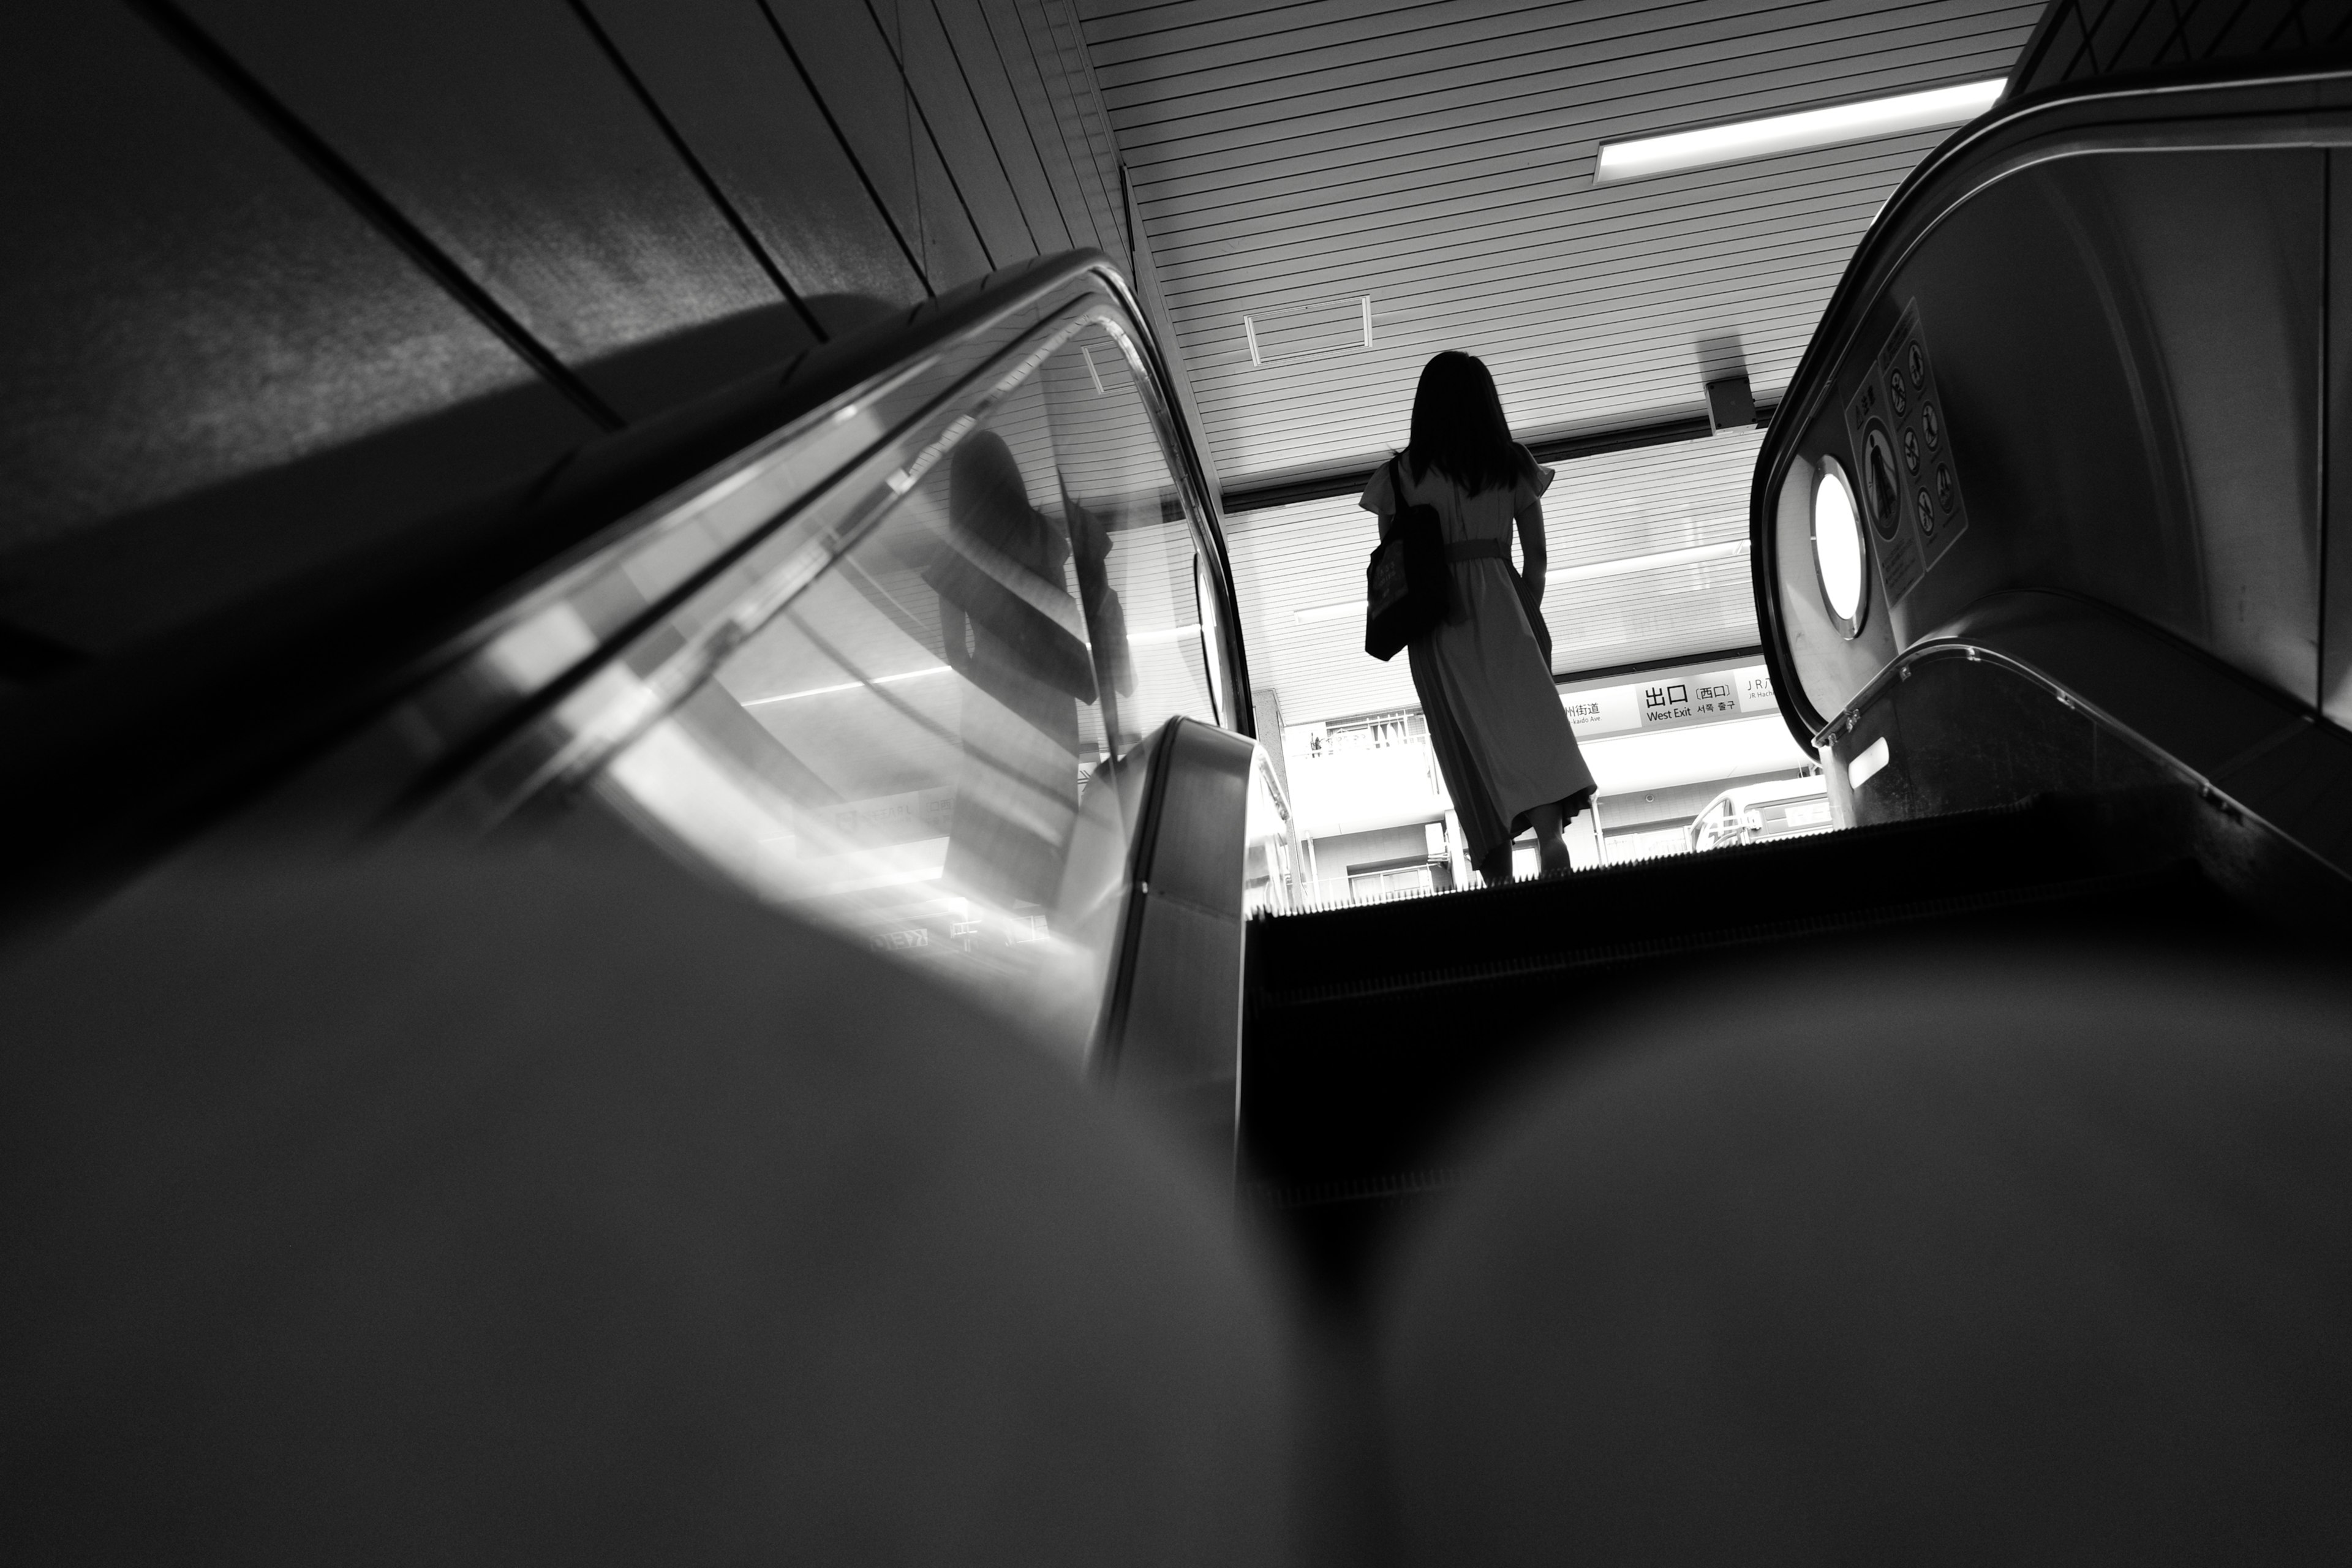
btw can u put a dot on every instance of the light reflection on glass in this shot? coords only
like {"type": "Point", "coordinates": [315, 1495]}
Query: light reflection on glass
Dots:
{"type": "Point", "coordinates": [934, 746]}
{"type": "Point", "coordinates": [1270, 872]}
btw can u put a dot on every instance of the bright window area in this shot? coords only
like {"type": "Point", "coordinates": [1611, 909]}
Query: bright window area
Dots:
{"type": "Point", "coordinates": [1688, 758]}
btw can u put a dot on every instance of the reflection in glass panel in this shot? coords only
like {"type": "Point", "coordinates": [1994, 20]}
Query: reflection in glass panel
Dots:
{"type": "Point", "coordinates": [1134, 544]}
{"type": "Point", "coordinates": [1271, 869]}
{"type": "Point", "coordinates": [931, 745]}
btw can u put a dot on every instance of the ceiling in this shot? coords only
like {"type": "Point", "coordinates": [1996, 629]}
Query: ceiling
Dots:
{"type": "Point", "coordinates": [1289, 162]}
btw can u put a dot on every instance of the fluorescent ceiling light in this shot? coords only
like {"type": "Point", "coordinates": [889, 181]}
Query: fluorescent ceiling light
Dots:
{"type": "Point", "coordinates": [1646, 156]}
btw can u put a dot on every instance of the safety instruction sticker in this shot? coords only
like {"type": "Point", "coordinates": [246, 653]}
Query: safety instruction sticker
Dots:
{"type": "Point", "coordinates": [1903, 447]}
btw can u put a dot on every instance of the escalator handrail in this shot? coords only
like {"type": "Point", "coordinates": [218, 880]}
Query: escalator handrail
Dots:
{"type": "Point", "coordinates": [550, 642]}
{"type": "Point", "coordinates": [2230, 739]}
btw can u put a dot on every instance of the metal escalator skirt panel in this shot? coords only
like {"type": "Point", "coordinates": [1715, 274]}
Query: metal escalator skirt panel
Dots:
{"type": "Point", "coordinates": [1172, 1032]}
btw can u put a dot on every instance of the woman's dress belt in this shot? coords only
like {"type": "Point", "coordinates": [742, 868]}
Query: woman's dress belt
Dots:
{"type": "Point", "coordinates": [1479, 550]}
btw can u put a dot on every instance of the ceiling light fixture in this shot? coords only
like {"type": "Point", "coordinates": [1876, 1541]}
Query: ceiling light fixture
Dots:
{"type": "Point", "coordinates": [1642, 156]}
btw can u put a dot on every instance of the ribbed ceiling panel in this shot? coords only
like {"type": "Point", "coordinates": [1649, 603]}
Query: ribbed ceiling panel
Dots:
{"type": "Point", "coordinates": [1438, 158]}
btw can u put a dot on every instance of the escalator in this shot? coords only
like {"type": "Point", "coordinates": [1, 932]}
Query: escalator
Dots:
{"type": "Point", "coordinates": [921, 659]}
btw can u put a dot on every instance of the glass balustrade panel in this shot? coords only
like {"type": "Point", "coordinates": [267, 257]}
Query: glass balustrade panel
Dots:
{"type": "Point", "coordinates": [935, 747]}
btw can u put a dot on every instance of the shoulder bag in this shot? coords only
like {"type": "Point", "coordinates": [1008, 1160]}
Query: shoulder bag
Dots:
{"type": "Point", "coordinates": [1406, 582]}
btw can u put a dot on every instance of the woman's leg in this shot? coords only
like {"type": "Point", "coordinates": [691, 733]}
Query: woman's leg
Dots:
{"type": "Point", "coordinates": [1550, 822]}
{"type": "Point", "coordinates": [1551, 849]}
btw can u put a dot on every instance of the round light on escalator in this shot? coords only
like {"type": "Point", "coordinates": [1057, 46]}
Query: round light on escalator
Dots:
{"type": "Point", "coordinates": [1837, 546]}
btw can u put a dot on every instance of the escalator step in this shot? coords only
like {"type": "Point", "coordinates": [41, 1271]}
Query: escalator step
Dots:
{"type": "Point", "coordinates": [1388, 980]}
{"type": "Point", "coordinates": [1672, 900]}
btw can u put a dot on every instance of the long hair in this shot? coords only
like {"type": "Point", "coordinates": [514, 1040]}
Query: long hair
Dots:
{"type": "Point", "coordinates": [1458, 427]}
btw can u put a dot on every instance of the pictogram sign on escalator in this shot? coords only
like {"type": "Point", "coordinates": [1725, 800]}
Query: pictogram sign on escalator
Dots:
{"type": "Point", "coordinates": [1903, 447]}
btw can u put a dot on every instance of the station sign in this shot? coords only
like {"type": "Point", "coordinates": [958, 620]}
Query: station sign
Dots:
{"type": "Point", "coordinates": [1670, 700]}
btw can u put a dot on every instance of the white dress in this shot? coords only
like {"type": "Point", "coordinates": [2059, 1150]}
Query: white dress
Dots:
{"type": "Point", "coordinates": [1501, 738]}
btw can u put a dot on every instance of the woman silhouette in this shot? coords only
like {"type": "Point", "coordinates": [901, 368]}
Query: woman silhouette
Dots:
{"type": "Point", "coordinates": [1484, 673]}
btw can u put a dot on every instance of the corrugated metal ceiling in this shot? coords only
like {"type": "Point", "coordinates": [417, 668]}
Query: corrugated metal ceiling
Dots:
{"type": "Point", "coordinates": [1291, 160]}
